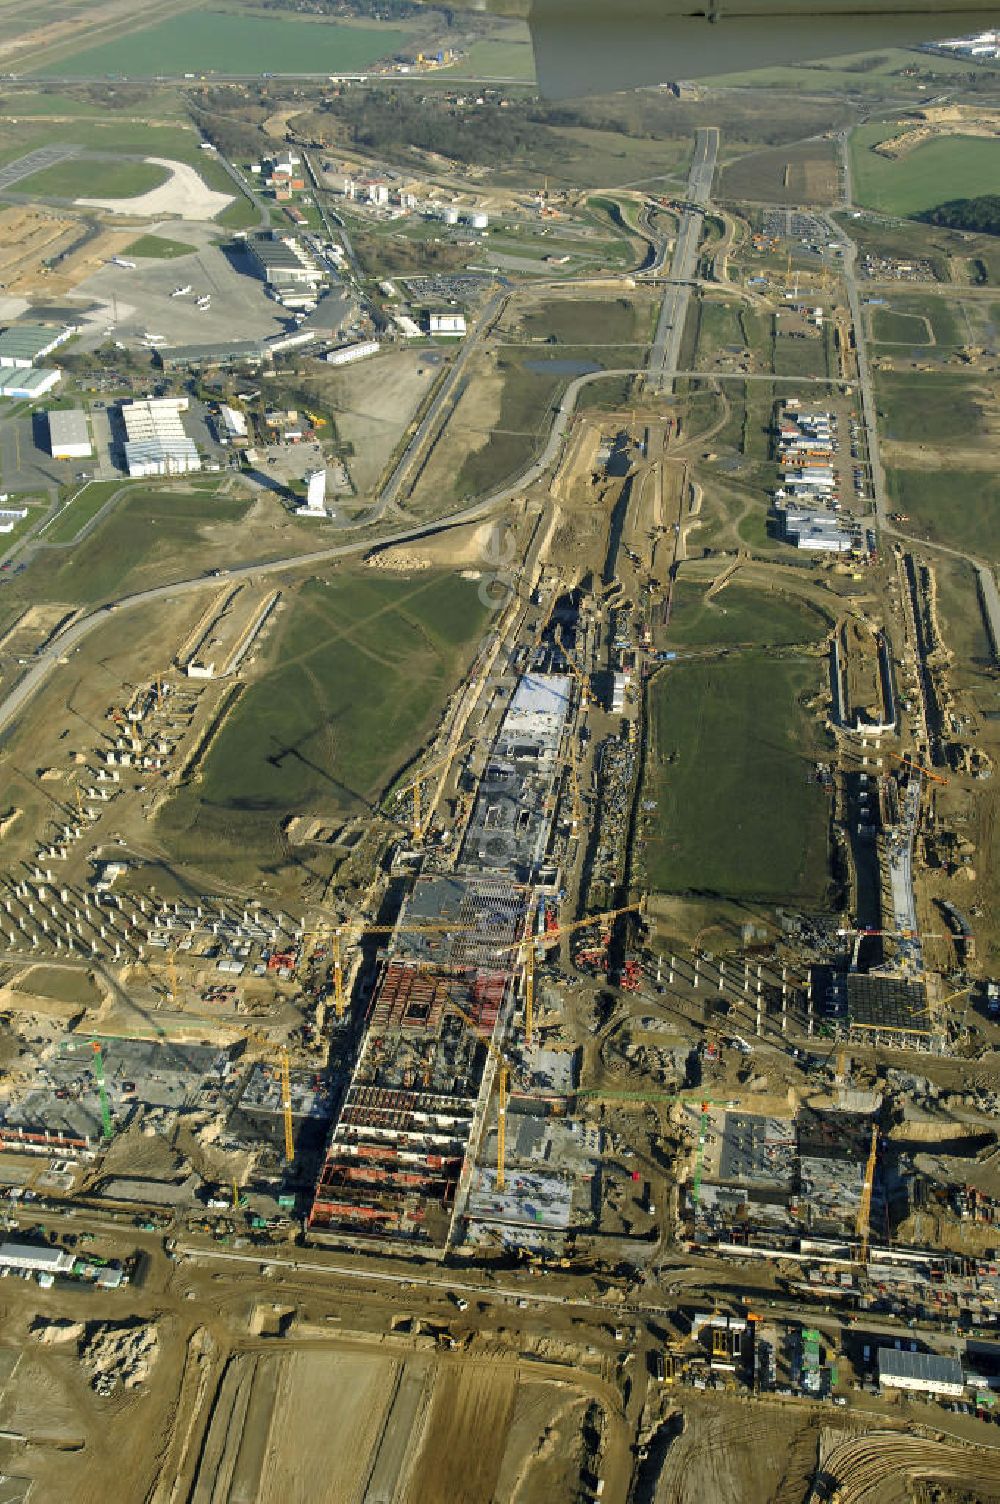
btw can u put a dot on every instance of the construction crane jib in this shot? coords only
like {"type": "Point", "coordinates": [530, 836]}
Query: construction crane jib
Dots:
{"type": "Point", "coordinates": [528, 942]}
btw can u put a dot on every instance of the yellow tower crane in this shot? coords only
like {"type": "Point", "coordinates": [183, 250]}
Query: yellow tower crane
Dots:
{"type": "Point", "coordinates": [286, 1104]}
{"type": "Point", "coordinates": [341, 935]}
{"type": "Point", "coordinates": [529, 940]}
{"type": "Point", "coordinates": [574, 784]}
{"type": "Point", "coordinates": [863, 1225]}
{"type": "Point", "coordinates": [577, 675]}
{"type": "Point", "coordinates": [415, 786]}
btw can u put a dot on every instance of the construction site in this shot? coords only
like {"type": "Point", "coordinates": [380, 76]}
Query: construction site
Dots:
{"type": "Point", "coordinates": [521, 979]}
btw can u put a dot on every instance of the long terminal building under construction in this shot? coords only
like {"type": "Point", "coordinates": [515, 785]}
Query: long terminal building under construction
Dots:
{"type": "Point", "coordinates": [399, 1160]}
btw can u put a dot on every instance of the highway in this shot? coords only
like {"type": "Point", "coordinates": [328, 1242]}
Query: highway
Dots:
{"type": "Point", "coordinates": [664, 357]}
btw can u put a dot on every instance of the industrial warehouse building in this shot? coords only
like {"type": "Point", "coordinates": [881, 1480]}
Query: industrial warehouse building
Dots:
{"type": "Point", "coordinates": [281, 261]}
{"type": "Point", "coordinates": [346, 354]}
{"type": "Point", "coordinates": [820, 532]}
{"type": "Point", "coordinates": [231, 425]}
{"type": "Point", "coordinates": [451, 324]}
{"type": "Point", "coordinates": [20, 383]}
{"type": "Point", "coordinates": [156, 443]}
{"type": "Point", "coordinates": [11, 516]}
{"type": "Point", "coordinates": [69, 436]}
{"type": "Point", "coordinates": [36, 1258]}
{"type": "Point", "coordinates": [924, 1373]}
{"type": "Point", "coordinates": [22, 345]}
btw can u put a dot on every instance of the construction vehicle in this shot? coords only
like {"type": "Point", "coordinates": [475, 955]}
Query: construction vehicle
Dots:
{"type": "Point", "coordinates": [576, 816]}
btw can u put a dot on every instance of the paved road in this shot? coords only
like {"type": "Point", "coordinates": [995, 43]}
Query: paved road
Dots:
{"type": "Point", "coordinates": [664, 356]}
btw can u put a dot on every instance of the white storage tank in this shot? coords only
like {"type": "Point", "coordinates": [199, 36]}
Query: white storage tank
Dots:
{"type": "Point", "coordinates": [479, 220]}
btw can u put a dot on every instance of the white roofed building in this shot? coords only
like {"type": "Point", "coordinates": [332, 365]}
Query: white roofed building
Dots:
{"type": "Point", "coordinates": [156, 443]}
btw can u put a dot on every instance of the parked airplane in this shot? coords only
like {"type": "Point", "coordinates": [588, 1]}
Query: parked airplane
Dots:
{"type": "Point", "coordinates": [180, 292]}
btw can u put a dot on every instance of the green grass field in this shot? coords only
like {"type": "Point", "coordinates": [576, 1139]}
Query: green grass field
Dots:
{"type": "Point", "coordinates": [744, 614]}
{"type": "Point", "coordinates": [241, 214]}
{"type": "Point", "coordinates": [945, 315]}
{"type": "Point", "coordinates": [930, 408]}
{"type": "Point", "coordinates": [148, 538]}
{"type": "Point", "coordinates": [594, 323]}
{"type": "Point", "coordinates": [719, 328]}
{"type": "Point", "coordinates": [159, 248]}
{"type": "Point", "coordinates": [958, 507]}
{"type": "Point", "coordinates": [892, 328]}
{"type": "Point", "coordinates": [215, 41]}
{"type": "Point", "coordinates": [800, 357]}
{"type": "Point", "coordinates": [122, 137]}
{"type": "Point", "coordinates": [356, 676]}
{"type": "Point", "coordinates": [509, 56]}
{"type": "Point", "coordinates": [83, 178]}
{"type": "Point", "coordinates": [737, 815]}
{"type": "Point", "coordinates": [78, 511]}
{"type": "Point", "coordinates": [48, 102]}
{"type": "Point", "coordinates": [942, 169]}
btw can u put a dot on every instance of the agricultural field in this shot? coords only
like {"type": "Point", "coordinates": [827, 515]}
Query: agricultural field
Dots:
{"type": "Point", "coordinates": [720, 329]}
{"type": "Point", "coordinates": [960, 508]}
{"type": "Point", "coordinates": [752, 826]}
{"type": "Point", "coordinates": [805, 172]}
{"type": "Point", "coordinates": [618, 328]}
{"type": "Point", "coordinates": [354, 678]}
{"type": "Point", "coordinates": [941, 169]}
{"type": "Point", "coordinates": [860, 73]}
{"type": "Point", "coordinates": [217, 41]}
{"type": "Point", "coordinates": [525, 416]}
{"type": "Point", "coordinates": [77, 177]}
